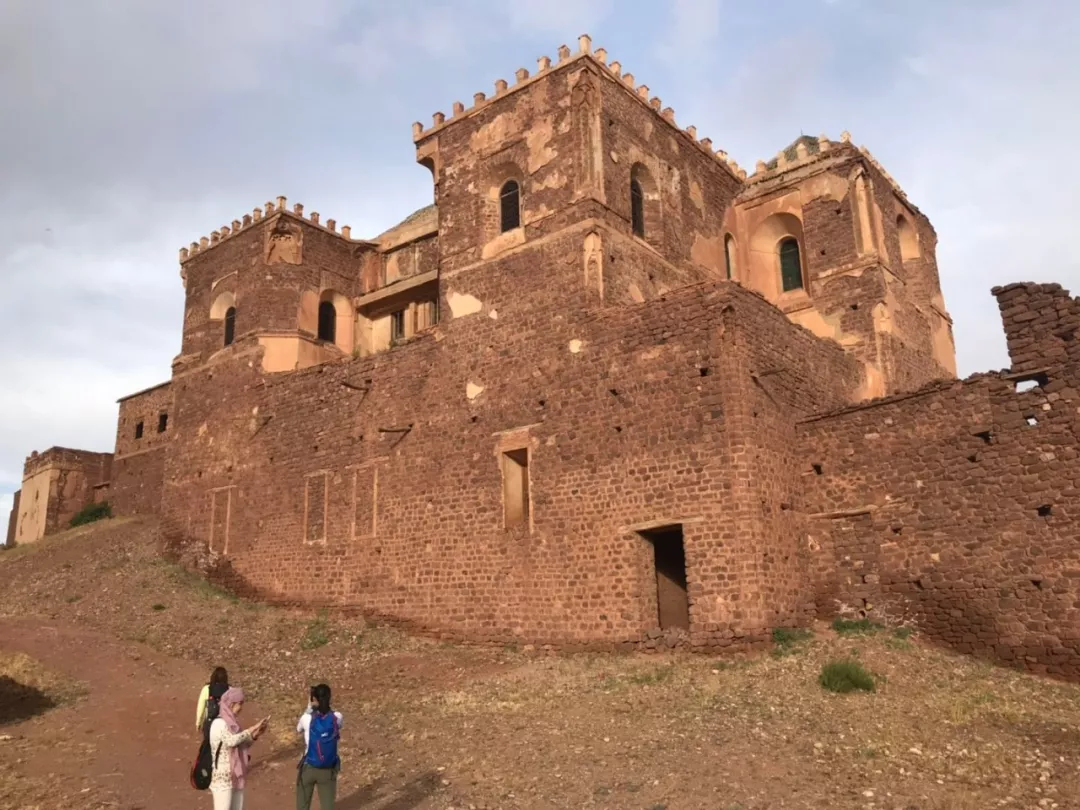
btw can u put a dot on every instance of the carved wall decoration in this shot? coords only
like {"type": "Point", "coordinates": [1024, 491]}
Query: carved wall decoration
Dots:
{"type": "Point", "coordinates": [284, 245]}
{"type": "Point", "coordinates": [585, 102]}
{"type": "Point", "coordinates": [594, 263]}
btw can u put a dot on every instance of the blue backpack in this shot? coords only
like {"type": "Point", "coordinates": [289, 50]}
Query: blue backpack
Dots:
{"type": "Point", "coordinates": [323, 736]}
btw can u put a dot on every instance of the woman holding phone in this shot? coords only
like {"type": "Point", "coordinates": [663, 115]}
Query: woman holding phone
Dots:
{"type": "Point", "coordinates": [230, 748]}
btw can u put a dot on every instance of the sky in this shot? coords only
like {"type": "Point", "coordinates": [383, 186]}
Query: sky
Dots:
{"type": "Point", "coordinates": [131, 128]}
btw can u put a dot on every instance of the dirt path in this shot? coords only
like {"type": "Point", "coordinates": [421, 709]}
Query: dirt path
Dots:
{"type": "Point", "coordinates": [129, 742]}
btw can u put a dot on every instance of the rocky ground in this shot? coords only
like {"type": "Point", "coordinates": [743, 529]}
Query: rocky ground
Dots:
{"type": "Point", "coordinates": [103, 647]}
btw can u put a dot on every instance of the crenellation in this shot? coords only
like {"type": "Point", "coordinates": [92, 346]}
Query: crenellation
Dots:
{"type": "Point", "coordinates": [520, 75]}
{"type": "Point", "coordinates": [564, 54]}
{"type": "Point", "coordinates": [584, 44]}
{"type": "Point", "coordinates": [228, 232]}
{"type": "Point", "coordinates": [616, 68]}
{"type": "Point", "coordinates": [601, 55]}
{"type": "Point", "coordinates": [543, 64]}
{"type": "Point", "coordinates": [500, 86]}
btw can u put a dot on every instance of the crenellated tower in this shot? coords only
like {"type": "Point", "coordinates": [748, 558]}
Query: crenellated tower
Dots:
{"type": "Point", "coordinates": [827, 235]}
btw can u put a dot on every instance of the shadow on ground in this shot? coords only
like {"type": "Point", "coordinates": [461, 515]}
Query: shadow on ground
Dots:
{"type": "Point", "coordinates": [21, 702]}
{"type": "Point", "coordinates": [408, 796]}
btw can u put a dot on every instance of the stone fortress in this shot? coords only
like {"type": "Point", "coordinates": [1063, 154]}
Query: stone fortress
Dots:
{"type": "Point", "coordinates": [609, 391]}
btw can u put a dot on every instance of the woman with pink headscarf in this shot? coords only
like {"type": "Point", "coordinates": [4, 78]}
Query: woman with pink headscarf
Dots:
{"type": "Point", "coordinates": [229, 746]}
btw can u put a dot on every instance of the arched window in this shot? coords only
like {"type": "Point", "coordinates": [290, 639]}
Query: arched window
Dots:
{"type": "Point", "coordinates": [909, 239]}
{"type": "Point", "coordinates": [230, 325]}
{"type": "Point", "coordinates": [509, 206]}
{"type": "Point", "coordinates": [729, 255]}
{"type": "Point", "coordinates": [637, 208]}
{"type": "Point", "coordinates": [790, 267]}
{"type": "Point", "coordinates": [327, 321]}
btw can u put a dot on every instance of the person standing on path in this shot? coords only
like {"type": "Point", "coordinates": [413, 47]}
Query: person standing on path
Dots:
{"type": "Point", "coordinates": [230, 747]}
{"type": "Point", "coordinates": [321, 727]}
{"type": "Point", "coordinates": [219, 683]}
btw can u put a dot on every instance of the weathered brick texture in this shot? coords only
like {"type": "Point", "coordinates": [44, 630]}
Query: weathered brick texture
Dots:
{"type": "Point", "coordinates": [956, 507]}
{"type": "Point", "coordinates": [504, 471]}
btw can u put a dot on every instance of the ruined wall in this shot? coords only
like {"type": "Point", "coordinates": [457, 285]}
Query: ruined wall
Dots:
{"type": "Point", "coordinates": [956, 508]}
{"type": "Point", "coordinates": [57, 484]}
{"type": "Point", "coordinates": [13, 519]}
{"type": "Point", "coordinates": [382, 477]}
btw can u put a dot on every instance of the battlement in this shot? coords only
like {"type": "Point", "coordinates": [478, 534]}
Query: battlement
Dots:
{"type": "Point", "coordinates": [805, 151]}
{"type": "Point", "coordinates": [522, 79]}
{"type": "Point", "coordinates": [63, 458]}
{"type": "Point", "coordinates": [258, 215]}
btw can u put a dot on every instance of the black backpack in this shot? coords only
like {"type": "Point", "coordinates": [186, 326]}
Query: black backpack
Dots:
{"type": "Point", "coordinates": [203, 769]}
{"type": "Point", "coordinates": [213, 703]}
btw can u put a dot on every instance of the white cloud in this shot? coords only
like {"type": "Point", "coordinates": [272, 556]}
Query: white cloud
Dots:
{"type": "Point", "coordinates": [142, 126]}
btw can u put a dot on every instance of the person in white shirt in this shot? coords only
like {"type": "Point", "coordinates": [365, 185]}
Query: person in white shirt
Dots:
{"type": "Point", "coordinates": [319, 766]}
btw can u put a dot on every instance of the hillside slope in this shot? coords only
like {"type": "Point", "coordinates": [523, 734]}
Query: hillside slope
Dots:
{"type": "Point", "coordinates": [437, 726]}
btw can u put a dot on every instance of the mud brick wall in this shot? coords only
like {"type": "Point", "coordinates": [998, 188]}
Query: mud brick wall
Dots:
{"type": "Point", "coordinates": [1042, 322]}
{"type": "Point", "coordinates": [13, 519]}
{"type": "Point", "coordinates": [62, 481]}
{"type": "Point", "coordinates": [135, 488]}
{"type": "Point", "coordinates": [956, 508]}
{"type": "Point", "coordinates": [145, 408]}
{"type": "Point", "coordinates": [628, 415]}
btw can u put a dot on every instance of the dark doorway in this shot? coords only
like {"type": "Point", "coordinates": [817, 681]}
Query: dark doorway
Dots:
{"type": "Point", "coordinates": [669, 556]}
{"type": "Point", "coordinates": [327, 321]}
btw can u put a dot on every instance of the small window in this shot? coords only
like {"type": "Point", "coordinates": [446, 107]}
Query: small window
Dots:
{"type": "Point", "coordinates": [327, 321]}
{"type": "Point", "coordinates": [138, 430]}
{"type": "Point", "coordinates": [230, 325]}
{"type": "Point", "coordinates": [509, 206]}
{"type": "Point", "coordinates": [790, 268]}
{"type": "Point", "coordinates": [516, 487]}
{"type": "Point", "coordinates": [637, 209]}
{"type": "Point", "coordinates": [397, 325]}
{"type": "Point", "coordinates": [729, 255]}
{"type": "Point", "coordinates": [162, 422]}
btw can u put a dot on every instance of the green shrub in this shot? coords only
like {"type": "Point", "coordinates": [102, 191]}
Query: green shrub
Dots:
{"type": "Point", "coordinates": [790, 635]}
{"type": "Point", "coordinates": [91, 513]}
{"type": "Point", "coordinates": [903, 633]}
{"type": "Point", "coordinates": [846, 676]}
{"type": "Point", "coordinates": [853, 627]}
{"type": "Point", "coordinates": [317, 633]}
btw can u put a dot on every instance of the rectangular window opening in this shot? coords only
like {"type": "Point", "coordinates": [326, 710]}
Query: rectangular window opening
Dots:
{"type": "Point", "coordinates": [516, 487]}
{"type": "Point", "coordinates": [669, 561]}
{"type": "Point", "coordinates": [162, 422]}
{"type": "Point", "coordinates": [138, 430]}
{"type": "Point", "coordinates": [397, 325]}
